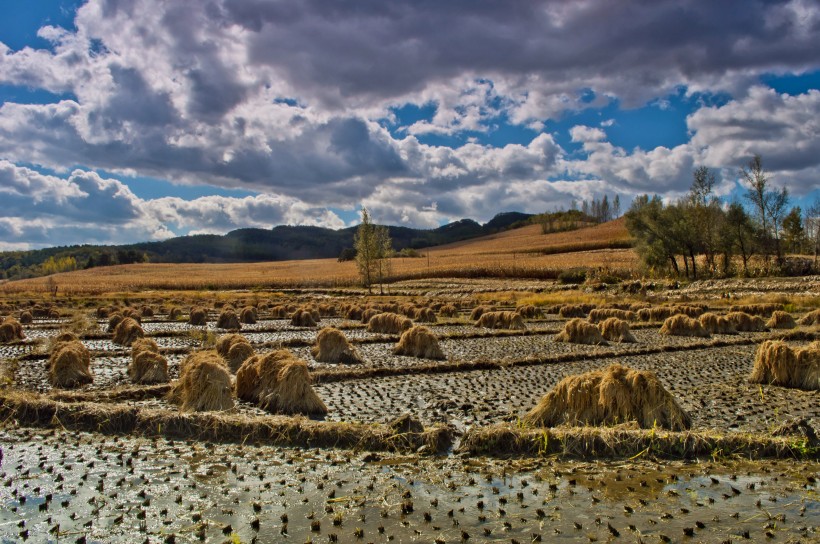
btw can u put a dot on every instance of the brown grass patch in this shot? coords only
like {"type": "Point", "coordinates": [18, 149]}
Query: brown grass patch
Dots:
{"type": "Point", "coordinates": [776, 363]}
{"type": "Point", "coordinates": [502, 320]}
{"type": "Point", "coordinates": [127, 331]}
{"type": "Point", "coordinates": [333, 347]}
{"type": "Point", "coordinates": [781, 320]}
{"type": "Point", "coordinates": [717, 324]}
{"type": "Point", "coordinates": [420, 342]}
{"type": "Point", "coordinates": [616, 330]}
{"type": "Point", "coordinates": [578, 331]}
{"type": "Point", "coordinates": [388, 323]}
{"type": "Point", "coordinates": [204, 384]}
{"type": "Point", "coordinates": [683, 325]}
{"type": "Point", "coordinates": [235, 349]}
{"type": "Point", "coordinates": [69, 365]}
{"type": "Point", "coordinates": [607, 397]}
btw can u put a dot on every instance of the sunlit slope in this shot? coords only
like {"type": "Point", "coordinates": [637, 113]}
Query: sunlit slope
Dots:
{"type": "Point", "coordinates": [523, 252]}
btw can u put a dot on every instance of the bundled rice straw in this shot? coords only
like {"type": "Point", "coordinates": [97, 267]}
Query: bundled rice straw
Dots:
{"type": "Point", "coordinates": [778, 364]}
{"type": "Point", "coordinates": [420, 342]}
{"type": "Point", "coordinates": [600, 314]}
{"type": "Point", "coordinates": [278, 382]}
{"type": "Point", "coordinates": [763, 310]}
{"type": "Point", "coordinates": [475, 315]}
{"type": "Point", "coordinates": [228, 320]}
{"type": "Point", "coordinates": [528, 311]}
{"type": "Point", "coordinates": [502, 320]}
{"type": "Point", "coordinates": [204, 384]}
{"type": "Point", "coordinates": [147, 365]}
{"type": "Point", "coordinates": [575, 310]}
{"type": "Point", "coordinates": [388, 323]}
{"type": "Point", "coordinates": [811, 318]}
{"type": "Point", "coordinates": [683, 325]}
{"type": "Point", "coordinates": [368, 314]}
{"type": "Point", "coordinates": [608, 397]}
{"type": "Point", "coordinates": [248, 315]}
{"type": "Point", "coordinates": [127, 331]}
{"type": "Point", "coordinates": [717, 324]}
{"type": "Point", "coordinates": [302, 318]}
{"type": "Point", "coordinates": [114, 320]}
{"type": "Point", "coordinates": [744, 322]}
{"type": "Point", "coordinates": [235, 349]}
{"type": "Point", "coordinates": [198, 316]}
{"type": "Point", "coordinates": [69, 365]}
{"type": "Point", "coordinates": [425, 315]}
{"type": "Point", "coordinates": [616, 330]}
{"type": "Point", "coordinates": [578, 331]}
{"type": "Point", "coordinates": [332, 347]}
{"type": "Point", "coordinates": [26, 318]}
{"type": "Point", "coordinates": [781, 320]}
{"type": "Point", "coordinates": [11, 330]}
{"type": "Point", "coordinates": [448, 310]}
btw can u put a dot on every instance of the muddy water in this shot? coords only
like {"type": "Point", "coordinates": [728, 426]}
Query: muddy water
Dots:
{"type": "Point", "coordinates": [59, 486]}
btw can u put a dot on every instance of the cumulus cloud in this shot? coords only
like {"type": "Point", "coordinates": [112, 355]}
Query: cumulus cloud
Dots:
{"type": "Point", "coordinates": [291, 100]}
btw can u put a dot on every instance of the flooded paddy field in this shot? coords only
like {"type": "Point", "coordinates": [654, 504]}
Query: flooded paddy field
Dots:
{"type": "Point", "coordinates": [62, 486]}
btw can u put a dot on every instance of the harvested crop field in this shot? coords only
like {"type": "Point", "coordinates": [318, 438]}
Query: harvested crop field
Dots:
{"type": "Point", "coordinates": [414, 448]}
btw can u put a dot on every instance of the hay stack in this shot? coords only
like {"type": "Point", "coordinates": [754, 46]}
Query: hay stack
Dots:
{"type": "Point", "coordinates": [717, 324]}
{"type": "Point", "coordinates": [279, 312]}
{"type": "Point", "coordinates": [778, 364]}
{"type": "Point", "coordinates": [616, 330]}
{"type": "Point", "coordinates": [11, 330]}
{"type": "Point", "coordinates": [147, 365]}
{"type": "Point", "coordinates": [683, 325]}
{"type": "Point", "coordinates": [502, 320]}
{"type": "Point", "coordinates": [575, 310]}
{"type": "Point", "coordinates": [388, 323]}
{"type": "Point", "coordinates": [280, 383]}
{"type": "Point", "coordinates": [302, 318]}
{"type": "Point", "coordinates": [811, 318]}
{"type": "Point", "coordinates": [744, 322]}
{"type": "Point", "coordinates": [354, 313]}
{"type": "Point", "coordinates": [146, 311]}
{"type": "Point", "coordinates": [600, 314]}
{"type": "Point", "coordinates": [478, 311]}
{"type": "Point", "coordinates": [127, 331]}
{"type": "Point", "coordinates": [578, 331]}
{"type": "Point", "coordinates": [204, 384]}
{"type": "Point", "coordinates": [26, 318]}
{"type": "Point", "coordinates": [333, 347]}
{"type": "Point", "coordinates": [781, 320]}
{"type": "Point", "coordinates": [69, 365]}
{"type": "Point", "coordinates": [655, 314]}
{"type": "Point", "coordinates": [104, 311]}
{"type": "Point", "coordinates": [419, 341]}
{"type": "Point", "coordinates": [608, 397]}
{"type": "Point", "coordinates": [448, 310]}
{"type": "Point", "coordinates": [425, 315]}
{"type": "Point", "coordinates": [228, 320]}
{"type": "Point", "coordinates": [174, 313]}
{"type": "Point", "coordinates": [133, 313]}
{"type": "Point", "coordinates": [235, 349]}
{"type": "Point", "coordinates": [248, 315]}
{"type": "Point", "coordinates": [368, 313]}
{"type": "Point", "coordinates": [198, 316]}
{"type": "Point", "coordinates": [528, 311]}
{"type": "Point", "coordinates": [114, 320]}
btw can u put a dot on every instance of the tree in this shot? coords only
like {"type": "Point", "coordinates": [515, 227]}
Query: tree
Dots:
{"type": "Point", "coordinates": [769, 205]}
{"type": "Point", "coordinates": [740, 234]}
{"type": "Point", "coordinates": [793, 232]}
{"type": "Point", "coordinates": [654, 233]}
{"type": "Point", "coordinates": [373, 247]}
{"type": "Point", "coordinates": [813, 228]}
{"type": "Point", "coordinates": [616, 207]}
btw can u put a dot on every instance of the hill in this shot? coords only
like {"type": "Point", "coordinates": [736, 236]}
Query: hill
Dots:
{"type": "Point", "coordinates": [281, 243]}
{"type": "Point", "coordinates": [517, 253]}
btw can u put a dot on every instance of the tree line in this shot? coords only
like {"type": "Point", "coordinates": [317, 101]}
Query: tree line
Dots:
{"type": "Point", "coordinates": [700, 235]}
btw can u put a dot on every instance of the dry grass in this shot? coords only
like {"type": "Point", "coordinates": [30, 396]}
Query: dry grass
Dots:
{"type": "Point", "coordinates": [228, 320]}
{"type": "Point", "coordinates": [420, 342]}
{"type": "Point", "coordinates": [600, 314]}
{"type": "Point", "coordinates": [478, 311]}
{"type": "Point", "coordinates": [529, 311]}
{"type": "Point", "coordinates": [69, 365]}
{"type": "Point", "coordinates": [608, 397]}
{"type": "Point", "coordinates": [303, 318]}
{"type": "Point", "coordinates": [448, 310]}
{"type": "Point", "coordinates": [280, 383]}
{"type": "Point", "coordinates": [235, 349]}
{"type": "Point", "coordinates": [683, 325]}
{"type": "Point", "coordinates": [204, 384]}
{"type": "Point", "coordinates": [248, 315]}
{"type": "Point", "coordinates": [26, 318]}
{"type": "Point", "coordinates": [717, 324]}
{"type": "Point", "coordinates": [388, 323]}
{"type": "Point", "coordinates": [578, 331]}
{"type": "Point", "coordinates": [811, 318]}
{"type": "Point", "coordinates": [744, 322]}
{"type": "Point", "coordinates": [616, 330]}
{"type": "Point", "coordinates": [148, 368]}
{"type": "Point", "coordinates": [127, 331]}
{"type": "Point", "coordinates": [776, 363]}
{"type": "Point", "coordinates": [332, 347]}
{"type": "Point", "coordinates": [11, 330]}
{"type": "Point", "coordinates": [568, 311]}
{"type": "Point", "coordinates": [760, 309]}
{"type": "Point", "coordinates": [502, 320]}
{"type": "Point", "coordinates": [424, 315]}
{"type": "Point", "coordinates": [198, 316]}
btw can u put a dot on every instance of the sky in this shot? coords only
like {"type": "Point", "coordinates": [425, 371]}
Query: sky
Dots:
{"type": "Point", "coordinates": [134, 120]}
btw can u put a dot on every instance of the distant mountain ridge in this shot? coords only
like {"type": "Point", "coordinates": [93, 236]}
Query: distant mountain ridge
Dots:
{"type": "Point", "coordinates": [281, 243]}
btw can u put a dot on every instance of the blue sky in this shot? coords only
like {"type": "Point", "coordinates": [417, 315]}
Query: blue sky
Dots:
{"type": "Point", "coordinates": [130, 120]}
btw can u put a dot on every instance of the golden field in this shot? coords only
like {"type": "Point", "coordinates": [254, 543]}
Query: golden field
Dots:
{"type": "Point", "coordinates": [524, 253]}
